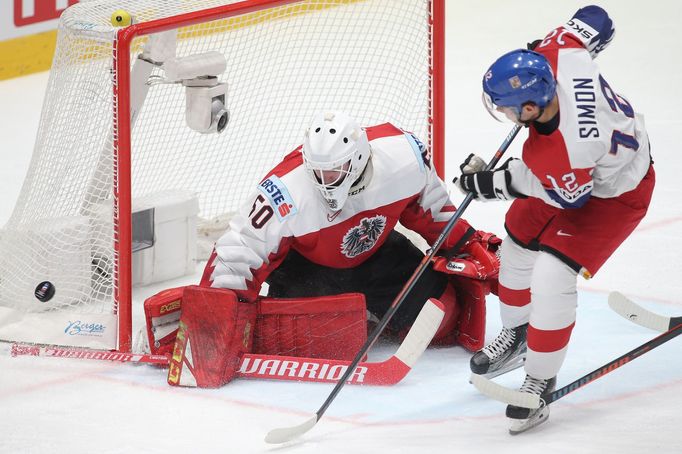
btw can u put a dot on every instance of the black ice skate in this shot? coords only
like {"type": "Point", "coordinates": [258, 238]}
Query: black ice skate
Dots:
{"type": "Point", "coordinates": [522, 418]}
{"type": "Point", "coordinates": [507, 352]}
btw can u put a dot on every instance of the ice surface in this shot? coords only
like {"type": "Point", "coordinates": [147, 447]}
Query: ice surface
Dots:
{"type": "Point", "coordinates": [70, 406]}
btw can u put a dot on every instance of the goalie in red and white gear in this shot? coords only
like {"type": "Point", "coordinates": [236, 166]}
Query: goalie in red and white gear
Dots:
{"type": "Point", "coordinates": [322, 223]}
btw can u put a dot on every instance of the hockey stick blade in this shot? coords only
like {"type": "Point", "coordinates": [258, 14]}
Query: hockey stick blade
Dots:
{"type": "Point", "coordinates": [421, 333]}
{"type": "Point", "coordinates": [417, 339]}
{"type": "Point", "coordinates": [632, 311]}
{"type": "Point", "coordinates": [82, 353]}
{"type": "Point", "coordinates": [521, 399]}
{"type": "Point", "coordinates": [277, 436]}
{"type": "Point", "coordinates": [495, 391]}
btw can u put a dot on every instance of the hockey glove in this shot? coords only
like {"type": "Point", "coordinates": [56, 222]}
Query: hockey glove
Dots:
{"type": "Point", "coordinates": [593, 26]}
{"type": "Point", "coordinates": [485, 184]}
{"type": "Point", "coordinates": [477, 259]}
{"type": "Point", "coordinates": [533, 45]}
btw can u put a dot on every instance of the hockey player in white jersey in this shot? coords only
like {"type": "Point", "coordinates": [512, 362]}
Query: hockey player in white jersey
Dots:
{"type": "Point", "coordinates": [321, 224]}
{"type": "Point", "coordinates": [583, 184]}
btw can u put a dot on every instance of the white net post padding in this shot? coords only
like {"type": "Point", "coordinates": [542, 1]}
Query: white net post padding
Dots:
{"type": "Point", "coordinates": [285, 62]}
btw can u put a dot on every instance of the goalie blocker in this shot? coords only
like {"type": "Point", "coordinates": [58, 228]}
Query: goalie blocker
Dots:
{"type": "Point", "coordinates": [208, 329]}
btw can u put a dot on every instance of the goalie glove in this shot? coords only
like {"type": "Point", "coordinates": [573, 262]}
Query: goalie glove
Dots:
{"type": "Point", "coordinates": [485, 184]}
{"type": "Point", "coordinates": [477, 259]}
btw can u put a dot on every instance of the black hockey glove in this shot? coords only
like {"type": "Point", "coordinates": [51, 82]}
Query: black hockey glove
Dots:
{"type": "Point", "coordinates": [485, 184]}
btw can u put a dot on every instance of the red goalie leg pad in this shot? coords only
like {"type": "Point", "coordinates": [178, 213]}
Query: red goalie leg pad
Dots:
{"type": "Point", "coordinates": [471, 295]}
{"type": "Point", "coordinates": [162, 315]}
{"type": "Point", "coordinates": [329, 327]}
{"type": "Point", "coordinates": [447, 332]}
{"type": "Point", "coordinates": [215, 330]}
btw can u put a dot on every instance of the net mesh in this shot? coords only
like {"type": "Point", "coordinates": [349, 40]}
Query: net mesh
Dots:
{"type": "Point", "coordinates": [369, 58]}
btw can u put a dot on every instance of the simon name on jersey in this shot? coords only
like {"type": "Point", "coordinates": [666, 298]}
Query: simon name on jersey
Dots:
{"type": "Point", "coordinates": [586, 107]}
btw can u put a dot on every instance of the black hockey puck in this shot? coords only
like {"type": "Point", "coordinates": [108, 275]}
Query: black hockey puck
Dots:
{"type": "Point", "coordinates": [44, 291]}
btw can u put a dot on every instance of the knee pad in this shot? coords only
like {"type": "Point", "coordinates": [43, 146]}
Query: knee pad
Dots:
{"type": "Point", "coordinates": [516, 265]}
{"type": "Point", "coordinates": [554, 293]}
{"type": "Point", "coordinates": [471, 294]}
{"type": "Point", "coordinates": [447, 333]}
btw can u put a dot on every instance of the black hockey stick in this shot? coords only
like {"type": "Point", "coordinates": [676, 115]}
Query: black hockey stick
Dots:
{"type": "Point", "coordinates": [528, 400]}
{"type": "Point", "coordinates": [288, 433]}
{"type": "Point", "coordinates": [612, 365]}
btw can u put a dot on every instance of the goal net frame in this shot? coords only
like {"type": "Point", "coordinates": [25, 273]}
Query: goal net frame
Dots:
{"type": "Point", "coordinates": [123, 119]}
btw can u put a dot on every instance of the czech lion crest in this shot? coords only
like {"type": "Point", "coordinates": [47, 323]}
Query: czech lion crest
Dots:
{"type": "Point", "coordinates": [363, 237]}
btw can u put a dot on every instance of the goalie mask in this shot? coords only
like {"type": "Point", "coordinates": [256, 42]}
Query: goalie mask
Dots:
{"type": "Point", "coordinates": [335, 154]}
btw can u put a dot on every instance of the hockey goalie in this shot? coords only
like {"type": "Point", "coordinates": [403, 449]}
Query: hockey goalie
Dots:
{"type": "Point", "coordinates": [319, 229]}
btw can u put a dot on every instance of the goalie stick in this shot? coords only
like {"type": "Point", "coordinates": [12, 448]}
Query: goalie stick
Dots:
{"type": "Point", "coordinates": [257, 366]}
{"type": "Point", "coordinates": [528, 400]}
{"type": "Point", "coordinates": [284, 434]}
{"type": "Point", "coordinates": [626, 308]}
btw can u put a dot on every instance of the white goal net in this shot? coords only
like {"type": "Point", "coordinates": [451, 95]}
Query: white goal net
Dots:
{"type": "Point", "coordinates": [274, 64]}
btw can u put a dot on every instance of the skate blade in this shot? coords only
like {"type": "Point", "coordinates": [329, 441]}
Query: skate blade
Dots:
{"type": "Point", "coordinates": [521, 425]}
{"type": "Point", "coordinates": [515, 364]}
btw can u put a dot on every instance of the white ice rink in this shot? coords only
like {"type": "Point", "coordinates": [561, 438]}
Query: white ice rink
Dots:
{"type": "Point", "coordinates": [70, 406]}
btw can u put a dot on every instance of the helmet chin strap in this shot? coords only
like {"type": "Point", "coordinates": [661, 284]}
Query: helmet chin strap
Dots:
{"type": "Point", "coordinates": [527, 123]}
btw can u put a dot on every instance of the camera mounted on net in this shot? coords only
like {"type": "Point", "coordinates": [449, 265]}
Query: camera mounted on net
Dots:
{"type": "Point", "coordinates": [205, 95]}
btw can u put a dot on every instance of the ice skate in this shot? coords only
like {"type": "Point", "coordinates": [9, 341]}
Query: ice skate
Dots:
{"type": "Point", "coordinates": [507, 352]}
{"type": "Point", "coordinates": [522, 418]}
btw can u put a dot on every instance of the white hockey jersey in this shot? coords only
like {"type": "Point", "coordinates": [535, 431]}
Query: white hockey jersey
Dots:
{"type": "Point", "coordinates": [600, 147]}
{"type": "Point", "coordinates": [287, 211]}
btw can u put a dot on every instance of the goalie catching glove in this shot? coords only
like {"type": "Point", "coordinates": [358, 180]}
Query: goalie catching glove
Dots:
{"type": "Point", "coordinates": [486, 184]}
{"type": "Point", "coordinates": [477, 259]}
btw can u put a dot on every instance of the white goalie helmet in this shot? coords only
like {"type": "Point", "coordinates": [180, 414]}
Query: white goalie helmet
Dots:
{"type": "Point", "coordinates": [335, 153]}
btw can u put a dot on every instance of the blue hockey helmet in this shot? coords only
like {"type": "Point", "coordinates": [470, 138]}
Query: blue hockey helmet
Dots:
{"type": "Point", "coordinates": [516, 78]}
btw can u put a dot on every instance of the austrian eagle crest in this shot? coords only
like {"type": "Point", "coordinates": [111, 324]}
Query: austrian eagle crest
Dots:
{"type": "Point", "coordinates": [363, 237]}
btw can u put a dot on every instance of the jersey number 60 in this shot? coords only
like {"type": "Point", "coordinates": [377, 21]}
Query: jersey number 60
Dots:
{"type": "Point", "coordinates": [261, 216]}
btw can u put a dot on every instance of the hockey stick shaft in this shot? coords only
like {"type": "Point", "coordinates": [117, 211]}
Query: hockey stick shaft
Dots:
{"type": "Point", "coordinates": [409, 285]}
{"type": "Point", "coordinates": [529, 400]}
{"type": "Point", "coordinates": [624, 308]}
{"type": "Point", "coordinates": [612, 365]}
{"type": "Point", "coordinates": [282, 435]}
